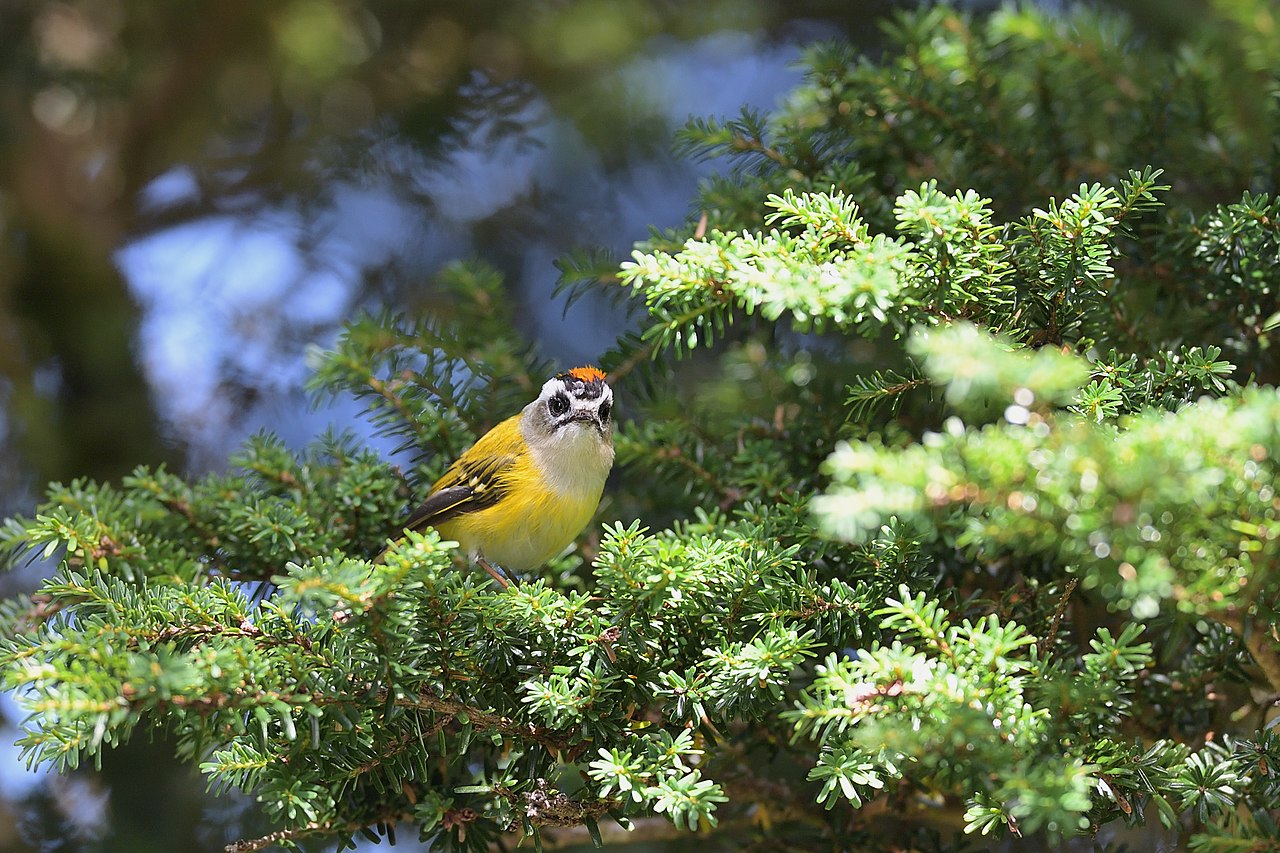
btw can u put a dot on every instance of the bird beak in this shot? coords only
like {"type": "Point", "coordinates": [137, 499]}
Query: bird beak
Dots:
{"type": "Point", "coordinates": [587, 418]}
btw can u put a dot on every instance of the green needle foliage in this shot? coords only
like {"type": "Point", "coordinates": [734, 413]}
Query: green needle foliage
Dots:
{"type": "Point", "coordinates": [947, 504]}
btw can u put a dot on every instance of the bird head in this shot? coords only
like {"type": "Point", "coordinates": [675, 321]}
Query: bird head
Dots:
{"type": "Point", "coordinates": [572, 402]}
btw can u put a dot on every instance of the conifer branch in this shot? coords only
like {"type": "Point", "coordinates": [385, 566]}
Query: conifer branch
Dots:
{"type": "Point", "coordinates": [795, 633]}
{"type": "Point", "coordinates": [545, 806]}
{"type": "Point", "coordinates": [326, 828]}
{"type": "Point", "coordinates": [1263, 642]}
{"type": "Point", "coordinates": [555, 741]}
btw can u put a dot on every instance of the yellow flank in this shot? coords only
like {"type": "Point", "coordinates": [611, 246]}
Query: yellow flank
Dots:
{"type": "Point", "coordinates": [530, 524]}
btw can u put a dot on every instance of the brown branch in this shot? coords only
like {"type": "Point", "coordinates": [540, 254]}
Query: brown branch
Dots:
{"type": "Point", "coordinates": [207, 536]}
{"type": "Point", "coordinates": [247, 845]}
{"type": "Point", "coordinates": [645, 830]}
{"type": "Point", "coordinates": [396, 747]}
{"type": "Point", "coordinates": [631, 363]}
{"type": "Point", "coordinates": [554, 741]}
{"type": "Point", "coordinates": [904, 386]}
{"type": "Point", "coordinates": [1047, 640]}
{"type": "Point", "coordinates": [200, 632]}
{"type": "Point", "coordinates": [545, 806]}
{"type": "Point", "coordinates": [742, 142]}
{"type": "Point", "coordinates": [541, 807]}
{"type": "Point", "coordinates": [43, 608]}
{"type": "Point", "coordinates": [387, 391]}
{"type": "Point", "coordinates": [673, 454]}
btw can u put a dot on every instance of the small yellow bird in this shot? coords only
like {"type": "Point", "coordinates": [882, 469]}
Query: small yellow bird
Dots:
{"type": "Point", "coordinates": [522, 492]}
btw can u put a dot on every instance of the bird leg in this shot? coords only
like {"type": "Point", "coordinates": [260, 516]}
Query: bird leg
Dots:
{"type": "Point", "coordinates": [496, 573]}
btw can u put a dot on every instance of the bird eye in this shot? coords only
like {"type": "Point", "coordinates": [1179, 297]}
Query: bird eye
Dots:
{"type": "Point", "coordinates": [605, 408]}
{"type": "Point", "coordinates": [558, 405]}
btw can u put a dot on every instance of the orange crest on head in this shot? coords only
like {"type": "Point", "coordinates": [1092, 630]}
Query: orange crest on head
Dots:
{"type": "Point", "coordinates": [588, 374]}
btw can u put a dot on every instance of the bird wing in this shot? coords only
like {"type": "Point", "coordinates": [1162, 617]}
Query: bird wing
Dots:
{"type": "Point", "coordinates": [472, 483]}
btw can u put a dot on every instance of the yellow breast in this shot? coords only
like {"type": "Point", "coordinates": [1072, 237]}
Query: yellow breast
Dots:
{"type": "Point", "coordinates": [531, 523]}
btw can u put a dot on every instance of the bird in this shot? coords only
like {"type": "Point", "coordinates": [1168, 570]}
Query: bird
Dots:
{"type": "Point", "coordinates": [528, 486]}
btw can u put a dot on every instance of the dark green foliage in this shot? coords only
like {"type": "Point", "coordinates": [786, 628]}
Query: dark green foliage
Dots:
{"type": "Point", "coordinates": [947, 494]}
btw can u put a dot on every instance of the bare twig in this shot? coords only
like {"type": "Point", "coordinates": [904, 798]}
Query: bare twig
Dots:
{"type": "Point", "coordinates": [1052, 634]}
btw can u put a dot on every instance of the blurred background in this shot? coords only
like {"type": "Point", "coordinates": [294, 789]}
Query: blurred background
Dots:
{"type": "Point", "coordinates": [192, 193]}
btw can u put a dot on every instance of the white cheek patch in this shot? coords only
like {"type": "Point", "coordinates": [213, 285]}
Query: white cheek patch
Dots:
{"type": "Point", "coordinates": [584, 399]}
